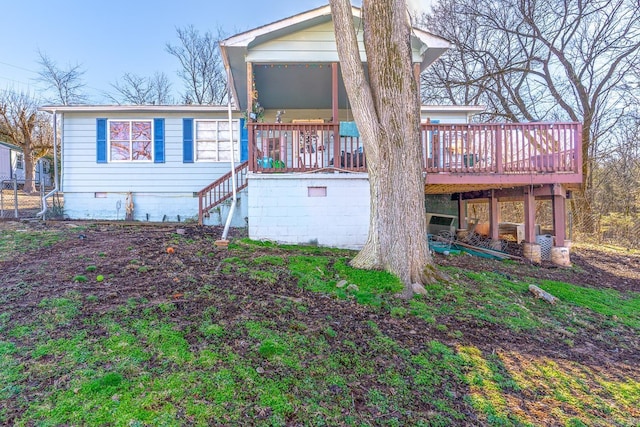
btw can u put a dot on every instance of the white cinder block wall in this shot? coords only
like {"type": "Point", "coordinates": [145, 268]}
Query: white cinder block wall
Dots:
{"type": "Point", "coordinates": [324, 209]}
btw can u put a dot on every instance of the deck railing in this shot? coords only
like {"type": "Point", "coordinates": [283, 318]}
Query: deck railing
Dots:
{"type": "Point", "coordinates": [489, 148]}
{"type": "Point", "coordinates": [280, 147]}
{"type": "Point", "coordinates": [502, 148]}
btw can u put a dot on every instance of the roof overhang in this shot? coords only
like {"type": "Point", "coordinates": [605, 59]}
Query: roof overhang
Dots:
{"type": "Point", "coordinates": [469, 110]}
{"type": "Point", "coordinates": [10, 146]}
{"type": "Point", "coordinates": [134, 108]}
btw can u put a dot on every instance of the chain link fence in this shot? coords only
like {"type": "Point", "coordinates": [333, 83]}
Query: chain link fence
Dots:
{"type": "Point", "coordinates": [16, 204]}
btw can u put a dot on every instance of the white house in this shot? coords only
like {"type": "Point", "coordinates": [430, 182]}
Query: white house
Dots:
{"type": "Point", "coordinates": [301, 166]}
{"type": "Point", "coordinates": [157, 157]}
{"type": "Point", "coordinates": [12, 166]}
{"type": "Point", "coordinates": [160, 157]}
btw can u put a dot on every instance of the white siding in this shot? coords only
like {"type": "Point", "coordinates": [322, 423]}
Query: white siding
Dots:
{"type": "Point", "coordinates": [5, 163]}
{"type": "Point", "coordinates": [82, 173]}
{"type": "Point", "coordinates": [280, 209]}
{"type": "Point", "coordinates": [446, 117]}
{"type": "Point", "coordinates": [314, 44]}
{"type": "Point", "coordinates": [161, 190]}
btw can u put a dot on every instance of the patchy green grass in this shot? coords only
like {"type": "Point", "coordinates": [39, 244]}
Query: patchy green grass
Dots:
{"type": "Point", "coordinates": [12, 241]}
{"type": "Point", "coordinates": [323, 273]}
{"type": "Point", "coordinates": [492, 298]}
{"type": "Point", "coordinates": [607, 302]}
{"type": "Point", "coordinates": [288, 346]}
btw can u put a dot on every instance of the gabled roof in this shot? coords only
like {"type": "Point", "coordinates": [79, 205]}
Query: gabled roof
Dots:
{"type": "Point", "coordinates": [236, 49]}
{"type": "Point", "coordinates": [309, 19]}
{"type": "Point", "coordinates": [279, 28]}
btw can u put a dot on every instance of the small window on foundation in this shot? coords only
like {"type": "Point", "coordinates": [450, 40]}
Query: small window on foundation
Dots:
{"type": "Point", "coordinates": [100, 195]}
{"type": "Point", "coordinates": [317, 191]}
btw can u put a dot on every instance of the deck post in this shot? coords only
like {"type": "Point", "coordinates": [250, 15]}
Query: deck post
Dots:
{"type": "Point", "coordinates": [530, 248]}
{"type": "Point", "coordinates": [462, 214]}
{"type": "Point", "coordinates": [559, 214]}
{"type": "Point", "coordinates": [529, 215]}
{"type": "Point", "coordinates": [494, 218]}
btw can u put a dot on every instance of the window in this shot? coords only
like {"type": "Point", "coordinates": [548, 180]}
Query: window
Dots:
{"type": "Point", "coordinates": [213, 140]}
{"type": "Point", "coordinates": [130, 140]}
{"type": "Point", "coordinates": [19, 161]}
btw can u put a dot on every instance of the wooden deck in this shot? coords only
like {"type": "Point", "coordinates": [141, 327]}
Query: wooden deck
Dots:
{"type": "Point", "coordinates": [475, 156]}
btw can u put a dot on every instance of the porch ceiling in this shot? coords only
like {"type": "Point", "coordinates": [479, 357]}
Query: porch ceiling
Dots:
{"type": "Point", "coordinates": [296, 86]}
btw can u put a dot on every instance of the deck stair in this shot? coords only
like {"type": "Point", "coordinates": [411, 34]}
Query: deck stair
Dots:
{"type": "Point", "coordinates": [220, 190]}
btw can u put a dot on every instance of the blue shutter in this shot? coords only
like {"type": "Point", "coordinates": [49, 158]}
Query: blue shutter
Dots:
{"type": "Point", "coordinates": [158, 140]}
{"type": "Point", "coordinates": [187, 140]}
{"type": "Point", "coordinates": [244, 142]}
{"type": "Point", "coordinates": [101, 141]}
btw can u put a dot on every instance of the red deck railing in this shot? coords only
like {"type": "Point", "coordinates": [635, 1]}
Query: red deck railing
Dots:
{"type": "Point", "coordinates": [501, 148]}
{"type": "Point", "coordinates": [497, 149]}
{"type": "Point", "coordinates": [280, 147]}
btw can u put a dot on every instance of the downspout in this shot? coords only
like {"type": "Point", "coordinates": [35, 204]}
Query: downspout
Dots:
{"type": "Point", "coordinates": [233, 165]}
{"type": "Point", "coordinates": [55, 168]}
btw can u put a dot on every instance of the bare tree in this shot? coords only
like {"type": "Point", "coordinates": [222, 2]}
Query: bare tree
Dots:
{"type": "Point", "coordinates": [22, 125]}
{"type": "Point", "coordinates": [66, 83]}
{"type": "Point", "coordinates": [387, 112]}
{"type": "Point", "coordinates": [202, 69]}
{"type": "Point", "coordinates": [137, 90]}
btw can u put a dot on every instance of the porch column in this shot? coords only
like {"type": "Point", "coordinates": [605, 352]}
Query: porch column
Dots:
{"type": "Point", "coordinates": [335, 108]}
{"type": "Point", "coordinates": [559, 214]}
{"type": "Point", "coordinates": [249, 86]}
{"type": "Point", "coordinates": [250, 135]}
{"type": "Point", "coordinates": [494, 219]}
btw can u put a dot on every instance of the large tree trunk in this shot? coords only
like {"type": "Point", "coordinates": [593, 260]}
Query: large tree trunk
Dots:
{"type": "Point", "coordinates": [28, 165]}
{"type": "Point", "coordinates": [29, 173]}
{"type": "Point", "coordinates": [387, 112]}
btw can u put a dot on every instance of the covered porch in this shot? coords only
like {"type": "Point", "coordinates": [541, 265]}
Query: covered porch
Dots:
{"type": "Point", "coordinates": [286, 79]}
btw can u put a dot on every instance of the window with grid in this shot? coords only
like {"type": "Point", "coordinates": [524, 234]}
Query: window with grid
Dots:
{"type": "Point", "coordinates": [213, 140]}
{"type": "Point", "coordinates": [131, 140]}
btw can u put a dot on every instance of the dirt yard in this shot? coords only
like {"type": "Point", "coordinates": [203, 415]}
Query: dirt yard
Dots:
{"type": "Point", "coordinates": [157, 276]}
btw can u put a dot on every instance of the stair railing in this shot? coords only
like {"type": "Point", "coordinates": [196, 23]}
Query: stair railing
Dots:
{"type": "Point", "coordinates": [221, 190]}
